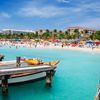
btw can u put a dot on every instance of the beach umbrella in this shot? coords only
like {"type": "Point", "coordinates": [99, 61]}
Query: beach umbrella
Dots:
{"type": "Point", "coordinates": [98, 43]}
{"type": "Point", "coordinates": [89, 42]}
{"type": "Point", "coordinates": [82, 42]}
{"type": "Point", "coordinates": [33, 40]}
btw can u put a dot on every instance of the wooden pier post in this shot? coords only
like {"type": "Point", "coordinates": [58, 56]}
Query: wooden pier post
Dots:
{"type": "Point", "coordinates": [1, 57]}
{"type": "Point", "coordinates": [18, 61]}
{"type": "Point", "coordinates": [48, 78]}
{"type": "Point", "coordinates": [4, 85]}
{"type": "Point", "coordinates": [53, 72]}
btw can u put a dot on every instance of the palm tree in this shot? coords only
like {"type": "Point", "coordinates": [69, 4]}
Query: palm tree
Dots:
{"type": "Point", "coordinates": [77, 33]}
{"type": "Point", "coordinates": [60, 31]}
{"type": "Point", "coordinates": [96, 35]}
{"type": "Point", "coordinates": [41, 31]}
{"type": "Point", "coordinates": [61, 36]}
{"type": "Point", "coordinates": [55, 30]}
{"type": "Point", "coordinates": [36, 35]}
{"type": "Point", "coordinates": [68, 31]}
{"type": "Point", "coordinates": [47, 30]}
{"type": "Point", "coordinates": [54, 33]}
{"type": "Point", "coordinates": [46, 35]}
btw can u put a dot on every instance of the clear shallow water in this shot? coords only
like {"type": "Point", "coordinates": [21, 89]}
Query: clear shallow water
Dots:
{"type": "Point", "coordinates": [76, 77]}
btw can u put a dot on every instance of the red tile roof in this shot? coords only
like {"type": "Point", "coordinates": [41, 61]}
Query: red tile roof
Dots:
{"type": "Point", "coordinates": [84, 28]}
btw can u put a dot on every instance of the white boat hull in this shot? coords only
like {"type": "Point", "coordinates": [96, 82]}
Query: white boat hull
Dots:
{"type": "Point", "coordinates": [26, 78]}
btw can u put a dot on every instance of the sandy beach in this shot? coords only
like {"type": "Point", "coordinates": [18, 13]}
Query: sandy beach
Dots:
{"type": "Point", "coordinates": [48, 46]}
{"type": "Point", "coordinates": [96, 50]}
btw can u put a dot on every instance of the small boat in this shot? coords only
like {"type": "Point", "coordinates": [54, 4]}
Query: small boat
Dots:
{"type": "Point", "coordinates": [27, 76]}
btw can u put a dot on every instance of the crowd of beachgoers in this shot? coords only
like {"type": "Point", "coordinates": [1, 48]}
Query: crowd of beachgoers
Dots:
{"type": "Point", "coordinates": [65, 44]}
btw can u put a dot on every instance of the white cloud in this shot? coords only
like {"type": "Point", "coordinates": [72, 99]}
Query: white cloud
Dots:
{"type": "Point", "coordinates": [4, 15]}
{"type": "Point", "coordinates": [88, 7]}
{"type": "Point", "coordinates": [79, 14]}
{"type": "Point", "coordinates": [31, 9]}
{"type": "Point", "coordinates": [64, 1]}
{"type": "Point", "coordinates": [46, 11]}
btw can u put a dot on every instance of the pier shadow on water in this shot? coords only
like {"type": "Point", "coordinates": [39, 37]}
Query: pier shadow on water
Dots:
{"type": "Point", "coordinates": [5, 97]}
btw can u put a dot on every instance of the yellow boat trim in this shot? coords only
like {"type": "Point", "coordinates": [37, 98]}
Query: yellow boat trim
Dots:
{"type": "Point", "coordinates": [37, 62]}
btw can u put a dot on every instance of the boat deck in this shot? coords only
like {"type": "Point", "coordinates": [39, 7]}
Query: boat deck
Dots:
{"type": "Point", "coordinates": [9, 68]}
{"type": "Point", "coordinates": [11, 64]}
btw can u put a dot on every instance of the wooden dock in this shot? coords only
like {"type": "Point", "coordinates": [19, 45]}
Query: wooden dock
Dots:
{"type": "Point", "coordinates": [11, 71]}
{"type": "Point", "coordinates": [9, 68]}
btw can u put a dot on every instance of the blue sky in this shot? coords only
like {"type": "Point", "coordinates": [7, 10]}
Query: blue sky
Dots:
{"type": "Point", "coordinates": [49, 14]}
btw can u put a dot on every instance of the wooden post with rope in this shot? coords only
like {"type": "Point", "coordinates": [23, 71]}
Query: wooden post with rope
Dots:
{"type": "Point", "coordinates": [18, 61]}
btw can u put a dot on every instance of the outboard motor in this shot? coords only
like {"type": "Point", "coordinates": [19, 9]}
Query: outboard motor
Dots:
{"type": "Point", "coordinates": [1, 57]}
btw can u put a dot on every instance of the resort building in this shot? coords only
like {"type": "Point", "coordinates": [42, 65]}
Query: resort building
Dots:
{"type": "Point", "coordinates": [14, 31]}
{"type": "Point", "coordinates": [0, 32]}
{"type": "Point", "coordinates": [83, 30]}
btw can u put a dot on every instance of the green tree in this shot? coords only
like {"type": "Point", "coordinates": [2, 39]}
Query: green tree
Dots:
{"type": "Point", "coordinates": [61, 36]}
{"type": "Point", "coordinates": [77, 33]}
{"type": "Point", "coordinates": [46, 35]}
{"type": "Point", "coordinates": [97, 35]}
{"type": "Point", "coordinates": [36, 35]}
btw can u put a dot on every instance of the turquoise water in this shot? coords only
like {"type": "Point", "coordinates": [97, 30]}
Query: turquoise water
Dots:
{"type": "Point", "coordinates": [76, 77]}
